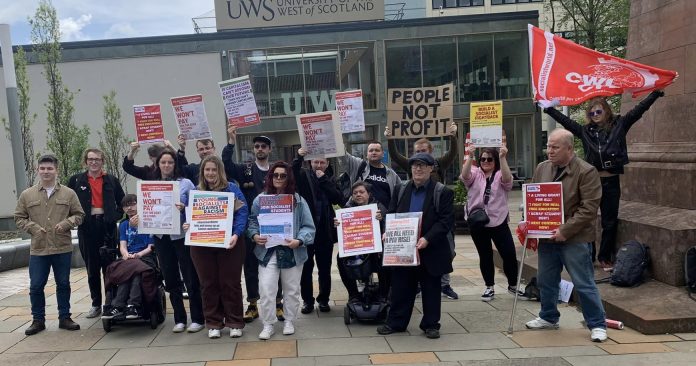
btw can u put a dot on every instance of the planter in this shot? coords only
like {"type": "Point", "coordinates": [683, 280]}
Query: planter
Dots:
{"type": "Point", "coordinates": [460, 225]}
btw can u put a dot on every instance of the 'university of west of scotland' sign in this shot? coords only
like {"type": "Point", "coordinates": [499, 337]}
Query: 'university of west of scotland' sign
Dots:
{"type": "Point", "coordinates": [236, 14]}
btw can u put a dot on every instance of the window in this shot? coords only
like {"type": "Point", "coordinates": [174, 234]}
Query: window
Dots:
{"type": "Point", "coordinates": [253, 63]}
{"type": "Point", "coordinates": [403, 61]}
{"type": "Point", "coordinates": [475, 68]}
{"type": "Point", "coordinates": [437, 4]}
{"type": "Point", "coordinates": [439, 61]}
{"type": "Point", "coordinates": [502, 2]}
{"type": "Point", "coordinates": [511, 65]}
{"type": "Point", "coordinates": [357, 71]}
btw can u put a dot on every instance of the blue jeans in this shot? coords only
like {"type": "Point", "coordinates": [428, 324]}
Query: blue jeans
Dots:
{"type": "Point", "coordinates": [577, 259]}
{"type": "Point", "coordinates": [39, 268]}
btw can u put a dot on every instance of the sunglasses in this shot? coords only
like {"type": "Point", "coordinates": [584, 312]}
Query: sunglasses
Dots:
{"type": "Point", "coordinates": [260, 146]}
{"type": "Point", "coordinates": [486, 160]}
{"type": "Point", "coordinates": [280, 176]}
{"type": "Point", "coordinates": [595, 113]}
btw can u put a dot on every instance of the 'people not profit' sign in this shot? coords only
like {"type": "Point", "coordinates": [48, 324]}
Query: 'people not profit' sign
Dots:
{"type": "Point", "coordinates": [420, 112]}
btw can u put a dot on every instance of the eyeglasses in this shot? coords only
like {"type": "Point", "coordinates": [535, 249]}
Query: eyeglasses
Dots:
{"type": "Point", "coordinates": [93, 160]}
{"type": "Point", "coordinates": [595, 113]}
{"type": "Point", "coordinates": [486, 160]}
{"type": "Point", "coordinates": [280, 176]}
{"type": "Point", "coordinates": [260, 146]}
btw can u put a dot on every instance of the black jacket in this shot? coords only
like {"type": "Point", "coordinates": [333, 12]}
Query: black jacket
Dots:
{"type": "Point", "coordinates": [139, 172]}
{"type": "Point", "coordinates": [243, 174]}
{"type": "Point", "coordinates": [606, 149]}
{"type": "Point", "coordinates": [112, 194]}
{"type": "Point", "coordinates": [436, 258]}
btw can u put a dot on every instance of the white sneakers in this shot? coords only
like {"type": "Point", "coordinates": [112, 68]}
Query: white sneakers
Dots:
{"type": "Point", "coordinates": [195, 327]}
{"type": "Point", "coordinates": [288, 328]}
{"type": "Point", "coordinates": [540, 323]}
{"type": "Point", "coordinates": [179, 328]}
{"type": "Point", "coordinates": [598, 335]}
{"type": "Point", "coordinates": [213, 333]}
{"type": "Point", "coordinates": [267, 332]}
{"type": "Point", "coordinates": [235, 333]}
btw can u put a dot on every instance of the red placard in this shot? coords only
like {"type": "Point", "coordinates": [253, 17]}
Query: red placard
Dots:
{"type": "Point", "coordinates": [148, 123]}
{"type": "Point", "coordinates": [543, 208]}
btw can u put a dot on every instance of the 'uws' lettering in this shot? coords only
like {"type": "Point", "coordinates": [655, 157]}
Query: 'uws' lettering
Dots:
{"type": "Point", "coordinates": [249, 7]}
{"type": "Point", "coordinates": [588, 82]}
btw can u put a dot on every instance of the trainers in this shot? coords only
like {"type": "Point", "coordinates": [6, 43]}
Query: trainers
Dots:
{"type": "Point", "coordinates": [540, 323]}
{"type": "Point", "coordinates": [324, 307]}
{"type": "Point", "coordinates": [279, 312]}
{"type": "Point", "coordinates": [213, 333]}
{"type": "Point", "coordinates": [598, 335]}
{"type": "Point", "coordinates": [267, 332]}
{"type": "Point", "coordinates": [179, 328]}
{"type": "Point", "coordinates": [449, 292]}
{"type": "Point", "coordinates": [68, 324]}
{"type": "Point", "coordinates": [488, 294]}
{"type": "Point", "coordinates": [132, 312]}
{"type": "Point", "coordinates": [307, 308]}
{"type": "Point", "coordinates": [288, 328]}
{"type": "Point", "coordinates": [114, 312]}
{"type": "Point", "coordinates": [235, 332]}
{"type": "Point", "coordinates": [93, 312]}
{"type": "Point", "coordinates": [520, 294]}
{"type": "Point", "coordinates": [194, 327]}
{"type": "Point", "coordinates": [252, 312]}
{"type": "Point", "coordinates": [185, 295]}
{"type": "Point", "coordinates": [35, 327]}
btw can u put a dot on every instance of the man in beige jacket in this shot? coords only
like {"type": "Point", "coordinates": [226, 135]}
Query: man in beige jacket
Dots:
{"type": "Point", "coordinates": [48, 211]}
{"type": "Point", "coordinates": [570, 246]}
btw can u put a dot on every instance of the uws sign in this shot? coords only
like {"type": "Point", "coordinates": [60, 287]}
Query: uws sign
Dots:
{"type": "Point", "coordinates": [238, 14]}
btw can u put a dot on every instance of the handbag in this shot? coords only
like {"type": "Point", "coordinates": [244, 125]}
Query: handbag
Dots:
{"type": "Point", "coordinates": [478, 218]}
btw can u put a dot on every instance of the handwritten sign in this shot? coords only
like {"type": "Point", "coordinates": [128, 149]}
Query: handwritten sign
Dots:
{"type": "Point", "coordinates": [420, 112]}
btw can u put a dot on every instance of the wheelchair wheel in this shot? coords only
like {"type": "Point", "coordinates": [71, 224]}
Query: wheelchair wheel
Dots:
{"type": "Point", "coordinates": [106, 323]}
{"type": "Point", "coordinates": [162, 311]}
{"type": "Point", "coordinates": [346, 315]}
{"type": "Point", "coordinates": [154, 320]}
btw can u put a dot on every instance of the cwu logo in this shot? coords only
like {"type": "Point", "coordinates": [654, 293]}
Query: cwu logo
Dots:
{"type": "Point", "coordinates": [251, 9]}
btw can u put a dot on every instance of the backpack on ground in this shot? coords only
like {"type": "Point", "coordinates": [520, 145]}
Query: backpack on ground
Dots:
{"type": "Point", "coordinates": [531, 291]}
{"type": "Point", "coordinates": [632, 260]}
{"type": "Point", "coordinates": [690, 271]}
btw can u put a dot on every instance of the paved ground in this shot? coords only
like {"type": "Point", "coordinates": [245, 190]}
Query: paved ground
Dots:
{"type": "Point", "coordinates": [473, 333]}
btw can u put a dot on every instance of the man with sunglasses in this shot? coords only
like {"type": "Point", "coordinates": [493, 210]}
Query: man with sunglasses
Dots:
{"type": "Point", "coordinates": [250, 177]}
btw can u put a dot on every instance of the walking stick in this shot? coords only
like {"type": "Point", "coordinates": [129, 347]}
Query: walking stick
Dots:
{"type": "Point", "coordinates": [517, 289]}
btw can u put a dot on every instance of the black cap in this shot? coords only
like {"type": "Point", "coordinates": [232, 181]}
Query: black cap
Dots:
{"type": "Point", "coordinates": [424, 158]}
{"type": "Point", "coordinates": [263, 139]}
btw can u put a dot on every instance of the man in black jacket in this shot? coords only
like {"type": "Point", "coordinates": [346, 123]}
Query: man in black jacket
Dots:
{"type": "Point", "coordinates": [100, 196]}
{"type": "Point", "coordinates": [318, 186]}
{"type": "Point", "coordinates": [421, 194]}
{"type": "Point", "coordinates": [204, 148]}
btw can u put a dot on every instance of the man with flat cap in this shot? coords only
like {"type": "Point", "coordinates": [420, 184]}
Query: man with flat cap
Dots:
{"type": "Point", "coordinates": [435, 200]}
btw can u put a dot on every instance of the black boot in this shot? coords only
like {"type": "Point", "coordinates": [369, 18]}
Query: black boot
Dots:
{"type": "Point", "coordinates": [35, 327]}
{"type": "Point", "coordinates": [68, 324]}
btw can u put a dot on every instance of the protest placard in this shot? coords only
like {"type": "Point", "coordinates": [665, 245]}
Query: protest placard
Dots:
{"type": "Point", "coordinates": [401, 236]}
{"type": "Point", "coordinates": [320, 134]}
{"type": "Point", "coordinates": [157, 213]}
{"type": "Point", "coordinates": [358, 231]}
{"type": "Point", "coordinates": [239, 102]}
{"type": "Point", "coordinates": [349, 105]}
{"type": "Point", "coordinates": [486, 123]}
{"type": "Point", "coordinates": [190, 117]}
{"type": "Point", "coordinates": [275, 218]}
{"type": "Point", "coordinates": [543, 208]}
{"type": "Point", "coordinates": [148, 123]}
{"type": "Point", "coordinates": [210, 215]}
{"type": "Point", "coordinates": [420, 112]}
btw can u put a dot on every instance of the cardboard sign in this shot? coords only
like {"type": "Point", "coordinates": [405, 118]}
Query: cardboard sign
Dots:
{"type": "Point", "coordinates": [349, 105]}
{"type": "Point", "coordinates": [358, 232]}
{"type": "Point", "coordinates": [320, 134]}
{"type": "Point", "coordinates": [148, 123]}
{"type": "Point", "coordinates": [420, 112]}
{"type": "Point", "coordinates": [239, 102]}
{"type": "Point", "coordinates": [190, 117]}
{"type": "Point", "coordinates": [486, 123]}
{"type": "Point", "coordinates": [543, 208]}
{"type": "Point", "coordinates": [157, 210]}
{"type": "Point", "coordinates": [210, 215]}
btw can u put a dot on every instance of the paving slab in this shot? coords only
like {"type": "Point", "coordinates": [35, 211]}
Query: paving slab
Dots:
{"type": "Point", "coordinates": [128, 335]}
{"type": "Point", "coordinates": [16, 300]}
{"type": "Point", "coordinates": [448, 325]}
{"type": "Point", "coordinates": [628, 335]}
{"type": "Point", "coordinates": [689, 346]}
{"type": "Point", "coordinates": [178, 364]}
{"type": "Point", "coordinates": [686, 336]}
{"type": "Point", "coordinates": [342, 346]}
{"type": "Point", "coordinates": [321, 327]}
{"type": "Point", "coordinates": [345, 360]}
{"type": "Point", "coordinates": [82, 358]}
{"type": "Point", "coordinates": [645, 359]}
{"type": "Point", "coordinates": [487, 354]}
{"type": "Point", "coordinates": [255, 362]}
{"type": "Point", "coordinates": [26, 359]}
{"type": "Point", "coordinates": [554, 338]}
{"type": "Point", "coordinates": [490, 321]}
{"type": "Point", "coordinates": [620, 349]}
{"type": "Point", "coordinates": [459, 306]}
{"type": "Point", "coordinates": [571, 317]}
{"type": "Point", "coordinates": [8, 340]}
{"type": "Point", "coordinates": [544, 361]}
{"type": "Point", "coordinates": [553, 351]}
{"type": "Point", "coordinates": [173, 354]}
{"type": "Point", "coordinates": [7, 326]}
{"type": "Point", "coordinates": [450, 342]}
{"type": "Point", "coordinates": [58, 341]}
{"type": "Point", "coordinates": [265, 349]}
{"type": "Point", "coordinates": [369, 329]}
{"type": "Point", "coordinates": [165, 336]}
{"type": "Point", "coordinates": [403, 358]}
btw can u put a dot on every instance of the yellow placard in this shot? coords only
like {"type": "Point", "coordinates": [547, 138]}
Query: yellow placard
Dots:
{"type": "Point", "coordinates": [486, 124]}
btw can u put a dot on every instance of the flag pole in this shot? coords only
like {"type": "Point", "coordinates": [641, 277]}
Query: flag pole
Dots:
{"type": "Point", "coordinates": [517, 288]}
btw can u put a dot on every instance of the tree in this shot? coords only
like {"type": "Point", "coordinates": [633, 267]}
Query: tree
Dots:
{"type": "Point", "coordinates": [113, 142]}
{"type": "Point", "coordinates": [26, 119]}
{"type": "Point", "coordinates": [65, 139]}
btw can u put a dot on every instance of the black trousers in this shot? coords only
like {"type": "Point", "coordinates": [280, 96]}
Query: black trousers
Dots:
{"type": "Point", "coordinates": [174, 255]}
{"type": "Point", "coordinates": [251, 274]}
{"type": "Point", "coordinates": [609, 206]}
{"type": "Point", "coordinates": [92, 235]}
{"type": "Point", "coordinates": [322, 250]}
{"type": "Point", "coordinates": [351, 285]}
{"type": "Point", "coordinates": [403, 296]}
{"type": "Point", "coordinates": [502, 238]}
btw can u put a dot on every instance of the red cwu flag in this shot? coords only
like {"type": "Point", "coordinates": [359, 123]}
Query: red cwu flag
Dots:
{"type": "Point", "coordinates": [565, 73]}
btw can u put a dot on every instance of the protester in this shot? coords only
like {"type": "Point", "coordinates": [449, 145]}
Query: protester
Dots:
{"type": "Point", "coordinates": [204, 148]}
{"type": "Point", "coordinates": [604, 140]}
{"type": "Point", "coordinates": [424, 145]}
{"type": "Point", "coordinates": [318, 186]}
{"type": "Point", "coordinates": [48, 211]}
{"type": "Point", "coordinates": [251, 178]}
{"type": "Point", "coordinates": [220, 270]}
{"type": "Point", "coordinates": [570, 246]}
{"type": "Point", "coordinates": [382, 178]}
{"type": "Point", "coordinates": [173, 255]}
{"type": "Point", "coordinates": [100, 195]}
{"type": "Point", "coordinates": [144, 172]}
{"type": "Point", "coordinates": [487, 189]}
{"type": "Point", "coordinates": [433, 249]}
{"type": "Point", "coordinates": [282, 262]}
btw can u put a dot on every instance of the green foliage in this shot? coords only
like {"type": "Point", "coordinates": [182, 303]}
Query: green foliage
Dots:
{"type": "Point", "coordinates": [113, 142]}
{"type": "Point", "coordinates": [460, 193]}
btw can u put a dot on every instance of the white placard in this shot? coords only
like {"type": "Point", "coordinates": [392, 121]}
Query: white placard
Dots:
{"type": "Point", "coordinates": [349, 105]}
{"type": "Point", "coordinates": [320, 134]}
{"type": "Point", "coordinates": [191, 119]}
{"type": "Point", "coordinates": [157, 212]}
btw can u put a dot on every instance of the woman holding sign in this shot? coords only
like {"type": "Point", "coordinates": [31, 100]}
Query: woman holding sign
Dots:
{"type": "Point", "coordinates": [280, 261]}
{"type": "Point", "coordinates": [220, 269]}
{"type": "Point", "coordinates": [173, 255]}
{"type": "Point", "coordinates": [487, 214]}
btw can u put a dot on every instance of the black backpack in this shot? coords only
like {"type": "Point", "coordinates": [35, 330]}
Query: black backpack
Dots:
{"type": "Point", "coordinates": [344, 180]}
{"type": "Point", "coordinates": [632, 260]}
{"type": "Point", "coordinates": [690, 271]}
